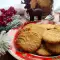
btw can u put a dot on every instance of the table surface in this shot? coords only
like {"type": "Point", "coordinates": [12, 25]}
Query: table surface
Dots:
{"type": "Point", "coordinates": [7, 56]}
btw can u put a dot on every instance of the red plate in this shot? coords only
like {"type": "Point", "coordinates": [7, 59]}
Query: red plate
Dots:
{"type": "Point", "coordinates": [23, 55]}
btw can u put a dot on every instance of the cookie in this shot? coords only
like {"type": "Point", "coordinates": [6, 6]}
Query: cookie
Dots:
{"type": "Point", "coordinates": [57, 27]}
{"type": "Point", "coordinates": [43, 51]}
{"type": "Point", "coordinates": [29, 41]}
{"type": "Point", "coordinates": [54, 48]}
{"type": "Point", "coordinates": [47, 26]}
{"type": "Point", "coordinates": [30, 25]}
{"type": "Point", "coordinates": [51, 36]}
{"type": "Point", "coordinates": [35, 28]}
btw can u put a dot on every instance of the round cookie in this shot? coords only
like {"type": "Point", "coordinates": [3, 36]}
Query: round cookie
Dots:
{"type": "Point", "coordinates": [51, 36]}
{"type": "Point", "coordinates": [29, 41]}
{"type": "Point", "coordinates": [54, 48]}
{"type": "Point", "coordinates": [43, 51]}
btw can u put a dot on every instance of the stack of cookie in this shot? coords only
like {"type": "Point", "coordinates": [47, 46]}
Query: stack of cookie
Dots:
{"type": "Point", "coordinates": [43, 39]}
{"type": "Point", "coordinates": [51, 39]}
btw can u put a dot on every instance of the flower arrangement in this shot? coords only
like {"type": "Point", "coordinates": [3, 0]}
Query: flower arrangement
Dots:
{"type": "Point", "coordinates": [8, 19]}
{"type": "Point", "coordinates": [4, 45]}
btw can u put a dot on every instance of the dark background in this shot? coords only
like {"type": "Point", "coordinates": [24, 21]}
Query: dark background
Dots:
{"type": "Point", "coordinates": [7, 56]}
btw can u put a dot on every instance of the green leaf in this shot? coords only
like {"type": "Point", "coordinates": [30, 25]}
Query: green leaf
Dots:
{"type": "Point", "coordinates": [2, 28]}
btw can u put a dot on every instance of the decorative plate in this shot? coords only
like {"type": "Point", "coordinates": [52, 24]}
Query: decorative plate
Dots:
{"type": "Point", "coordinates": [22, 55]}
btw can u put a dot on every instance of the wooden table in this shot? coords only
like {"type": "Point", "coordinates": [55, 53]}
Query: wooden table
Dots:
{"type": "Point", "coordinates": [7, 56]}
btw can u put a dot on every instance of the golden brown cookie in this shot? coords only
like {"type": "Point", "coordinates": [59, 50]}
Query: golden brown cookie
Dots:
{"type": "Point", "coordinates": [47, 26]}
{"type": "Point", "coordinates": [30, 25]}
{"type": "Point", "coordinates": [43, 51]}
{"type": "Point", "coordinates": [57, 27]}
{"type": "Point", "coordinates": [54, 48]}
{"type": "Point", "coordinates": [35, 28]}
{"type": "Point", "coordinates": [51, 36]}
{"type": "Point", "coordinates": [29, 41]}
